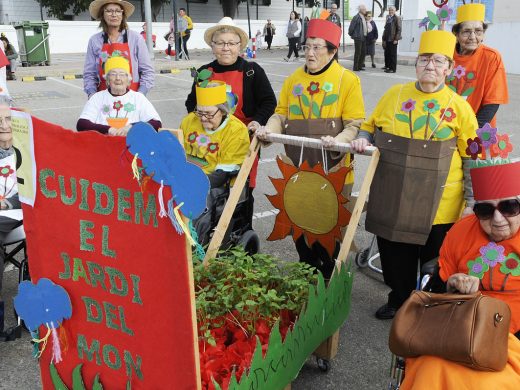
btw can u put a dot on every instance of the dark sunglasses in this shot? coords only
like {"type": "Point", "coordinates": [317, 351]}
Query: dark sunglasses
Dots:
{"type": "Point", "coordinates": [508, 208]}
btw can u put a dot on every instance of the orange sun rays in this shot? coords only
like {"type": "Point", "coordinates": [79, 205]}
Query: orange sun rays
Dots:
{"type": "Point", "coordinates": [310, 203]}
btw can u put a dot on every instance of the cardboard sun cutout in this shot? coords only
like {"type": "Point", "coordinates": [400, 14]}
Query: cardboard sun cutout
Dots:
{"type": "Point", "coordinates": [310, 204]}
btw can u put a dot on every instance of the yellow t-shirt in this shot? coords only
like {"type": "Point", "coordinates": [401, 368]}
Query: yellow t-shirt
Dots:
{"type": "Point", "coordinates": [335, 93]}
{"type": "Point", "coordinates": [403, 107]}
{"type": "Point", "coordinates": [224, 149]}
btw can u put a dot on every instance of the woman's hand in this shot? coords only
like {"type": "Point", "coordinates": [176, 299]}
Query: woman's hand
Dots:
{"type": "Point", "coordinates": [328, 141]}
{"type": "Point", "coordinates": [253, 126]}
{"type": "Point", "coordinates": [462, 283]}
{"type": "Point", "coordinates": [359, 145]}
{"type": "Point", "coordinates": [122, 132]}
{"type": "Point", "coordinates": [261, 133]}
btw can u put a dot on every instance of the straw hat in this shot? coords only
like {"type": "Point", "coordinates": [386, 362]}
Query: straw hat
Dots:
{"type": "Point", "coordinates": [96, 5]}
{"type": "Point", "coordinates": [227, 22]}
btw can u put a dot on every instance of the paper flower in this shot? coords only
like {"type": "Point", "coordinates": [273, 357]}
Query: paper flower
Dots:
{"type": "Point", "coordinates": [313, 88]}
{"type": "Point", "coordinates": [117, 53]}
{"type": "Point", "coordinates": [213, 147]}
{"type": "Point", "coordinates": [192, 137]}
{"type": "Point", "coordinates": [408, 105]}
{"type": "Point", "coordinates": [103, 55]}
{"type": "Point", "coordinates": [511, 265]}
{"type": "Point", "coordinates": [129, 107]}
{"type": "Point", "coordinates": [502, 147]}
{"type": "Point", "coordinates": [477, 267]}
{"type": "Point", "coordinates": [6, 171]}
{"type": "Point", "coordinates": [470, 76]}
{"type": "Point", "coordinates": [297, 90]}
{"type": "Point", "coordinates": [431, 106]}
{"type": "Point", "coordinates": [117, 105]}
{"type": "Point", "coordinates": [444, 13]}
{"type": "Point", "coordinates": [424, 22]}
{"type": "Point", "coordinates": [474, 147]}
{"type": "Point", "coordinates": [492, 254]}
{"type": "Point", "coordinates": [459, 71]}
{"type": "Point", "coordinates": [447, 114]}
{"type": "Point", "coordinates": [488, 135]}
{"type": "Point", "coordinates": [106, 109]}
{"type": "Point", "coordinates": [202, 140]}
{"type": "Point", "coordinates": [327, 87]}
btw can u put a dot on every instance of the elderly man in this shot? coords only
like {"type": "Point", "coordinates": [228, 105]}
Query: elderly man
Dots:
{"type": "Point", "coordinates": [391, 36]}
{"type": "Point", "coordinates": [447, 119]}
{"type": "Point", "coordinates": [358, 32]}
{"type": "Point", "coordinates": [334, 17]}
{"type": "Point", "coordinates": [114, 110]}
{"type": "Point", "coordinates": [8, 192]}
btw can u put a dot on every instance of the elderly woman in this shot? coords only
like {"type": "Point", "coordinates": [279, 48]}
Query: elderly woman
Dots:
{"type": "Point", "coordinates": [12, 55]}
{"type": "Point", "coordinates": [9, 191]}
{"type": "Point", "coordinates": [114, 110]}
{"type": "Point", "coordinates": [467, 265]}
{"type": "Point", "coordinates": [115, 40]}
{"type": "Point", "coordinates": [427, 110]}
{"type": "Point", "coordinates": [214, 139]}
{"type": "Point", "coordinates": [335, 119]}
{"type": "Point", "coordinates": [479, 74]}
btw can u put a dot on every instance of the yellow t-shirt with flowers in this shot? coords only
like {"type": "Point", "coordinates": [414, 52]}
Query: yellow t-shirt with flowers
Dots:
{"type": "Point", "coordinates": [403, 108]}
{"type": "Point", "coordinates": [224, 148]}
{"type": "Point", "coordinates": [335, 93]}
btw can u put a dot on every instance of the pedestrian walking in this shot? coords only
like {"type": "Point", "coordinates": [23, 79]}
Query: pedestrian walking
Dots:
{"type": "Point", "coordinates": [269, 33]}
{"type": "Point", "coordinates": [391, 36]}
{"type": "Point", "coordinates": [358, 32]}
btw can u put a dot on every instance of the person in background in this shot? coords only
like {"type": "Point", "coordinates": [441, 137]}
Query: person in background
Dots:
{"type": "Point", "coordinates": [143, 34]}
{"type": "Point", "coordinates": [10, 200]}
{"type": "Point", "coordinates": [170, 38]}
{"type": "Point", "coordinates": [391, 37]}
{"type": "Point", "coordinates": [334, 17]}
{"type": "Point", "coordinates": [114, 110]}
{"type": "Point", "coordinates": [358, 30]}
{"type": "Point", "coordinates": [259, 40]}
{"type": "Point", "coordinates": [116, 39]}
{"type": "Point", "coordinates": [269, 33]}
{"type": "Point", "coordinates": [11, 55]}
{"type": "Point", "coordinates": [185, 25]}
{"type": "Point", "coordinates": [305, 26]}
{"type": "Point", "coordinates": [479, 74]}
{"type": "Point", "coordinates": [372, 35]}
{"type": "Point", "coordinates": [294, 29]}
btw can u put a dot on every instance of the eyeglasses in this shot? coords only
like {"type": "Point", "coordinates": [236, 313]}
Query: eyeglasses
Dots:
{"type": "Point", "coordinates": [222, 45]}
{"type": "Point", "coordinates": [114, 11]}
{"type": "Point", "coordinates": [486, 210]}
{"type": "Point", "coordinates": [314, 48]}
{"type": "Point", "coordinates": [207, 115]}
{"type": "Point", "coordinates": [438, 62]}
{"type": "Point", "coordinates": [117, 75]}
{"type": "Point", "coordinates": [467, 33]}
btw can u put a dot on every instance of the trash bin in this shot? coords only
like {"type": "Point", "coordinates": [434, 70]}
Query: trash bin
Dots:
{"type": "Point", "coordinates": [33, 43]}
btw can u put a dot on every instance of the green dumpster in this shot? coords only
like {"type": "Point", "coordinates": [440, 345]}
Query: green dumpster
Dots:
{"type": "Point", "coordinates": [33, 42]}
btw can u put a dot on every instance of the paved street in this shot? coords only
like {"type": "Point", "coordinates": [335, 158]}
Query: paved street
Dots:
{"type": "Point", "coordinates": [363, 360]}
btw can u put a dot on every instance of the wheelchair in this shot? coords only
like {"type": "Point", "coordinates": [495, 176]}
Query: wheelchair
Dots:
{"type": "Point", "coordinates": [13, 244]}
{"type": "Point", "coordinates": [240, 231]}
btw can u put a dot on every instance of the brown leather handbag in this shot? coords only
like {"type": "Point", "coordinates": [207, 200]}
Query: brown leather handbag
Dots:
{"type": "Point", "coordinates": [468, 329]}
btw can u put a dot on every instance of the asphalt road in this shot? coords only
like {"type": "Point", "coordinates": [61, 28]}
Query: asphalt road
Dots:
{"type": "Point", "coordinates": [363, 361]}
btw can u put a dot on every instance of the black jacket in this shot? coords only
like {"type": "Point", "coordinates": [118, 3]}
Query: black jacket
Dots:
{"type": "Point", "coordinates": [259, 100]}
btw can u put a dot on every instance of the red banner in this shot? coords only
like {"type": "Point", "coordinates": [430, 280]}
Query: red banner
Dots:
{"type": "Point", "coordinates": [97, 234]}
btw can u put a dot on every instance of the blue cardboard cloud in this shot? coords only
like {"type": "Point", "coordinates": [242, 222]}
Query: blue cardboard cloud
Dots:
{"type": "Point", "coordinates": [163, 157]}
{"type": "Point", "coordinates": [42, 303]}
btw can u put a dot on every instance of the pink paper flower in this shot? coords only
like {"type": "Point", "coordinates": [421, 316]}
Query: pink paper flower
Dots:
{"type": "Point", "coordinates": [459, 71]}
{"type": "Point", "coordinates": [408, 105]}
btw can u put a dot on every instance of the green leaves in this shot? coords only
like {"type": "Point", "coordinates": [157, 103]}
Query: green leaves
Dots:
{"type": "Point", "coordinates": [433, 18]}
{"type": "Point", "coordinates": [295, 110]}
{"type": "Point", "coordinates": [315, 109]}
{"type": "Point", "coordinates": [305, 100]}
{"type": "Point", "coordinates": [468, 91]}
{"type": "Point", "coordinates": [329, 99]}
{"type": "Point", "coordinates": [443, 133]}
{"type": "Point", "coordinates": [419, 123]}
{"type": "Point", "coordinates": [205, 74]}
{"type": "Point", "coordinates": [402, 118]}
{"type": "Point", "coordinates": [56, 379]}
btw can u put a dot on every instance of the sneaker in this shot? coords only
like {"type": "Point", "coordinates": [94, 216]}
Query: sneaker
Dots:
{"type": "Point", "coordinates": [167, 58]}
{"type": "Point", "coordinates": [385, 312]}
{"type": "Point", "coordinates": [373, 65]}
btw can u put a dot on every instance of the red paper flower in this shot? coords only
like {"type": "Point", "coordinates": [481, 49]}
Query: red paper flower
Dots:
{"type": "Point", "coordinates": [474, 147]}
{"type": "Point", "coordinates": [502, 147]}
{"type": "Point", "coordinates": [448, 114]}
{"type": "Point", "coordinates": [213, 147]}
{"type": "Point", "coordinates": [313, 88]}
{"type": "Point", "coordinates": [117, 105]}
{"type": "Point", "coordinates": [6, 171]}
{"type": "Point", "coordinates": [192, 137]}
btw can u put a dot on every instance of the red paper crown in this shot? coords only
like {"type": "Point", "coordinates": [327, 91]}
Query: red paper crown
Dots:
{"type": "Point", "coordinates": [496, 181]}
{"type": "Point", "coordinates": [319, 28]}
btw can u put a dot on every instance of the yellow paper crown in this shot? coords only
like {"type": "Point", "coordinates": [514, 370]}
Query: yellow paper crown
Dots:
{"type": "Point", "coordinates": [469, 12]}
{"type": "Point", "coordinates": [438, 41]}
{"type": "Point", "coordinates": [117, 62]}
{"type": "Point", "coordinates": [212, 95]}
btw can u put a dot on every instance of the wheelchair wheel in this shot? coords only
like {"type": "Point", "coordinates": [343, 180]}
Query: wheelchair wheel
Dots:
{"type": "Point", "coordinates": [323, 364]}
{"type": "Point", "coordinates": [250, 242]}
{"type": "Point", "coordinates": [362, 258]}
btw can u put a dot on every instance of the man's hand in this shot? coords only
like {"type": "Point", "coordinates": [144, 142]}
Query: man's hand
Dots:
{"type": "Point", "coordinates": [359, 145]}
{"type": "Point", "coordinates": [261, 133]}
{"type": "Point", "coordinates": [328, 141]}
{"type": "Point", "coordinates": [462, 283]}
